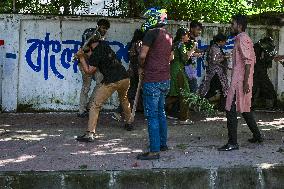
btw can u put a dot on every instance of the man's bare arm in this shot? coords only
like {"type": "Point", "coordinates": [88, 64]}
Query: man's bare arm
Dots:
{"type": "Point", "coordinates": [172, 56]}
{"type": "Point", "coordinates": [246, 77]}
{"type": "Point", "coordinates": [87, 68]}
{"type": "Point", "coordinates": [143, 55]}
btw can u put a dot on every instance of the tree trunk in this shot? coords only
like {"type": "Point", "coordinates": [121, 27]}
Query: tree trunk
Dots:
{"type": "Point", "coordinates": [14, 6]}
{"type": "Point", "coordinates": [66, 6]}
{"type": "Point", "coordinates": [133, 9]}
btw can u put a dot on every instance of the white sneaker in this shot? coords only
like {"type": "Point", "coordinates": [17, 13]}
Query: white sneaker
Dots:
{"type": "Point", "coordinates": [173, 118]}
{"type": "Point", "coordinates": [186, 122]}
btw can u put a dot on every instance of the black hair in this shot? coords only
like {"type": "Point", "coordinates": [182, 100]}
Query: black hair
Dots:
{"type": "Point", "coordinates": [138, 35]}
{"type": "Point", "coordinates": [104, 22]}
{"type": "Point", "coordinates": [241, 20]}
{"type": "Point", "coordinates": [211, 43]}
{"type": "Point", "coordinates": [180, 32]}
{"type": "Point", "coordinates": [194, 24]}
{"type": "Point", "coordinates": [219, 37]}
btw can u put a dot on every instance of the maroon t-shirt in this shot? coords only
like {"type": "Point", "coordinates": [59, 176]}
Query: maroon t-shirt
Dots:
{"type": "Point", "coordinates": [157, 64]}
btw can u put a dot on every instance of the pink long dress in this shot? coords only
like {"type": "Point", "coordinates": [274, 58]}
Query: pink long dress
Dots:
{"type": "Point", "coordinates": [243, 53]}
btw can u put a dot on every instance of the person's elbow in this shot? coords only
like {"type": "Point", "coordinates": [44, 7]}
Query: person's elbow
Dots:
{"type": "Point", "coordinates": [172, 56]}
{"type": "Point", "coordinates": [86, 69]}
{"type": "Point", "coordinates": [92, 70]}
{"type": "Point", "coordinates": [142, 55]}
{"type": "Point", "coordinates": [89, 70]}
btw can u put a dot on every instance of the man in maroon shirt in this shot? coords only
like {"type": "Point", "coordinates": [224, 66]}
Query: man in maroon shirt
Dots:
{"type": "Point", "coordinates": [154, 61]}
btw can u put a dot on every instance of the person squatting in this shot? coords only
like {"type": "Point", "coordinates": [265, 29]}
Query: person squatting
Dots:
{"type": "Point", "coordinates": [165, 65]}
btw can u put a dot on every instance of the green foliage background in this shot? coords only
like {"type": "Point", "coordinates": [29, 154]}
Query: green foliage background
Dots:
{"type": "Point", "coordinates": [36, 7]}
{"type": "Point", "coordinates": [202, 10]}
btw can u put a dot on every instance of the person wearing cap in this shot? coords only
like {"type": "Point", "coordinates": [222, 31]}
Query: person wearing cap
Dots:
{"type": "Point", "coordinates": [85, 102]}
{"type": "Point", "coordinates": [115, 78]}
{"type": "Point", "coordinates": [154, 59]}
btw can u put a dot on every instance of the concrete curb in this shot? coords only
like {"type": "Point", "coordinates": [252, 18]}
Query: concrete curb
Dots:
{"type": "Point", "coordinates": [245, 177]}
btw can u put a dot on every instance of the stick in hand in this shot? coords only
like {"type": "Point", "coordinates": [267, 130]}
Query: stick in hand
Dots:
{"type": "Point", "coordinates": [136, 99]}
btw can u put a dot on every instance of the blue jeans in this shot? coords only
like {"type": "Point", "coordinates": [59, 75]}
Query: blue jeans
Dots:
{"type": "Point", "coordinates": [154, 95]}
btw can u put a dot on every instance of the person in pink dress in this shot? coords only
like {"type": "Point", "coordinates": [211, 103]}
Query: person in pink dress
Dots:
{"type": "Point", "coordinates": [240, 92]}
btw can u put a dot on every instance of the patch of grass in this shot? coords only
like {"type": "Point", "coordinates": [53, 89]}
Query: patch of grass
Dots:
{"type": "Point", "coordinates": [182, 146]}
{"type": "Point", "coordinates": [24, 107]}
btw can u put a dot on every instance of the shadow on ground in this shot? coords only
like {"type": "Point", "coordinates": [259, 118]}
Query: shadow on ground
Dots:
{"type": "Point", "coordinates": [45, 141]}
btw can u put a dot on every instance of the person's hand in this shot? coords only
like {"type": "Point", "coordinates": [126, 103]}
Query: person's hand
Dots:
{"type": "Point", "coordinates": [195, 45]}
{"type": "Point", "coordinates": [80, 53]}
{"type": "Point", "coordinates": [246, 87]}
{"type": "Point", "coordinates": [197, 54]}
{"type": "Point", "coordinates": [226, 56]}
{"type": "Point", "coordinates": [141, 72]}
{"type": "Point", "coordinates": [278, 58]}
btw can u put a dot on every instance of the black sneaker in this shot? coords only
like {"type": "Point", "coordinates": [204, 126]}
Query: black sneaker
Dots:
{"type": "Point", "coordinates": [85, 138]}
{"type": "Point", "coordinates": [148, 156]}
{"type": "Point", "coordinates": [82, 115]}
{"type": "Point", "coordinates": [128, 127]}
{"type": "Point", "coordinates": [255, 140]}
{"type": "Point", "coordinates": [229, 147]}
{"type": "Point", "coordinates": [164, 148]}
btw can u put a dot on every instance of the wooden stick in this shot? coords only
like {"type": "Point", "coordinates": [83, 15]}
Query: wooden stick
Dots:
{"type": "Point", "coordinates": [136, 99]}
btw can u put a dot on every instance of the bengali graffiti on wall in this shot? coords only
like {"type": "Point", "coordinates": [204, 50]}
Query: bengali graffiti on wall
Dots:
{"type": "Point", "coordinates": [48, 50]}
{"type": "Point", "coordinates": [42, 54]}
{"type": "Point", "coordinates": [45, 50]}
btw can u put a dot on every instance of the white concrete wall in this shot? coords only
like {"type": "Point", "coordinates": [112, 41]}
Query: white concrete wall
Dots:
{"type": "Point", "coordinates": [10, 75]}
{"type": "Point", "coordinates": [1, 58]}
{"type": "Point", "coordinates": [280, 78]}
{"type": "Point", "coordinates": [36, 57]}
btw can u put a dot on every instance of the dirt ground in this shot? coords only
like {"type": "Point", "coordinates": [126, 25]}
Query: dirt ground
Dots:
{"type": "Point", "coordinates": [45, 141]}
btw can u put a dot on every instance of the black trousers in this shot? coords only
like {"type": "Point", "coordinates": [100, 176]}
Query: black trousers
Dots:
{"type": "Point", "coordinates": [232, 123]}
{"type": "Point", "coordinates": [215, 84]}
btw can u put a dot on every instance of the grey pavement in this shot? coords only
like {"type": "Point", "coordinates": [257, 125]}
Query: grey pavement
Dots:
{"type": "Point", "coordinates": [45, 142]}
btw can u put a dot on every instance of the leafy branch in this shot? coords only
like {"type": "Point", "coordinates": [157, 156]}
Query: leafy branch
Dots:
{"type": "Point", "coordinates": [202, 104]}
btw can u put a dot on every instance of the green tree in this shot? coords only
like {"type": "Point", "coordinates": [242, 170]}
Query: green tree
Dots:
{"type": "Point", "coordinates": [259, 6]}
{"type": "Point", "coordinates": [203, 10]}
{"type": "Point", "coordinates": [6, 6]}
{"type": "Point", "coordinates": [36, 7]}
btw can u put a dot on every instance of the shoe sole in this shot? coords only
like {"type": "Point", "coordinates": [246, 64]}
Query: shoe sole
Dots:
{"type": "Point", "coordinates": [163, 150]}
{"type": "Point", "coordinates": [84, 140]}
{"type": "Point", "coordinates": [227, 150]}
{"type": "Point", "coordinates": [256, 142]}
{"type": "Point", "coordinates": [172, 118]}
